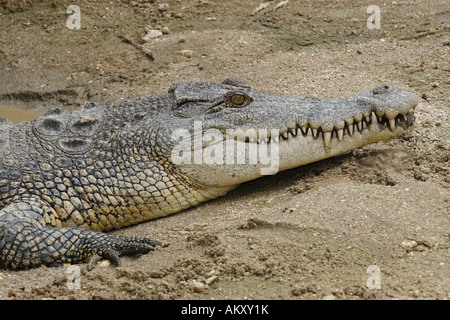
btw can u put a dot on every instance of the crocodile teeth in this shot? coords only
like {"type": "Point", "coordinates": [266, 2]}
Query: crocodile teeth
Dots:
{"type": "Point", "coordinates": [293, 132]}
{"type": "Point", "coordinates": [359, 125]}
{"type": "Point", "coordinates": [350, 129]}
{"type": "Point", "coordinates": [309, 132]}
{"type": "Point", "coordinates": [326, 138]}
{"type": "Point", "coordinates": [366, 122]}
{"type": "Point", "coordinates": [392, 124]}
{"type": "Point", "coordinates": [340, 133]}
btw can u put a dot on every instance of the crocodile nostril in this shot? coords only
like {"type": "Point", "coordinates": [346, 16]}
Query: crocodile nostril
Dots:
{"type": "Point", "coordinates": [380, 90]}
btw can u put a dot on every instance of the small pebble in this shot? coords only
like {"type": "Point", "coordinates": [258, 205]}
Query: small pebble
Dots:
{"type": "Point", "coordinates": [409, 244]}
{"type": "Point", "coordinates": [104, 264]}
{"type": "Point", "coordinates": [165, 30]}
{"type": "Point", "coordinates": [211, 280]}
{"type": "Point", "coordinates": [186, 53]}
{"type": "Point", "coordinates": [197, 286]}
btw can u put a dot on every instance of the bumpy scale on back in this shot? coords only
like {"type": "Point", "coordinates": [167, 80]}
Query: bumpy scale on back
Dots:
{"type": "Point", "coordinates": [65, 177]}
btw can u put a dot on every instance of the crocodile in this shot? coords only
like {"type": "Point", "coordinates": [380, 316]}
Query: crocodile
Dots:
{"type": "Point", "coordinates": [67, 177]}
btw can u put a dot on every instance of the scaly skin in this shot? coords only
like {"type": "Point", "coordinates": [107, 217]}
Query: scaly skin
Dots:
{"type": "Point", "coordinates": [65, 177]}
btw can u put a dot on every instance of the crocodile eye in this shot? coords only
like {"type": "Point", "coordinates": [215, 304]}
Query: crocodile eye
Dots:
{"type": "Point", "coordinates": [237, 99]}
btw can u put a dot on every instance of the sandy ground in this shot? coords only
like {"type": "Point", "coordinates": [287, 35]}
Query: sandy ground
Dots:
{"type": "Point", "coordinates": [308, 233]}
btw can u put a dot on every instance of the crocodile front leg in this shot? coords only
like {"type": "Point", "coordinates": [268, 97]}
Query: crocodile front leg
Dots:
{"type": "Point", "coordinates": [26, 241]}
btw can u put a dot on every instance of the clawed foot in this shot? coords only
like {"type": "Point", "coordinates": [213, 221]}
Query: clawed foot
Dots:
{"type": "Point", "coordinates": [26, 241]}
{"type": "Point", "coordinates": [114, 247]}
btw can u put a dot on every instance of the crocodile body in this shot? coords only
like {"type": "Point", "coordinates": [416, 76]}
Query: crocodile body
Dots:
{"type": "Point", "coordinates": [65, 177]}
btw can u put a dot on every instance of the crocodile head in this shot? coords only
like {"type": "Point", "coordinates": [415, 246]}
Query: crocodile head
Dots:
{"type": "Point", "coordinates": [223, 134]}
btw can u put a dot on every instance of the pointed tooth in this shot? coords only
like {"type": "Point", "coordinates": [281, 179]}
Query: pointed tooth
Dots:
{"type": "Point", "coordinates": [363, 124]}
{"type": "Point", "coordinates": [309, 131]}
{"type": "Point", "coordinates": [392, 124]}
{"type": "Point", "coordinates": [404, 117]}
{"type": "Point", "coordinates": [374, 117]}
{"type": "Point", "coordinates": [374, 122]}
{"type": "Point", "coordinates": [359, 125]}
{"type": "Point", "coordinates": [326, 137]}
{"type": "Point", "coordinates": [340, 134]}
{"type": "Point", "coordinates": [303, 130]}
{"type": "Point", "coordinates": [314, 131]}
{"type": "Point", "coordinates": [285, 134]}
{"type": "Point", "coordinates": [293, 132]}
{"type": "Point", "coordinates": [350, 129]}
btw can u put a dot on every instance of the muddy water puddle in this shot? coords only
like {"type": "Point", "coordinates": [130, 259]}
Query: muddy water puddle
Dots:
{"type": "Point", "coordinates": [20, 112]}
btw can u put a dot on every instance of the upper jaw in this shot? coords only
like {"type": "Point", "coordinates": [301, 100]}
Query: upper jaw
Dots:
{"type": "Point", "coordinates": [401, 123]}
{"type": "Point", "coordinates": [385, 108]}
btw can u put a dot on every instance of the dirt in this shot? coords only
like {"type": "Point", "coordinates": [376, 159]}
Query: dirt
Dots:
{"type": "Point", "coordinates": [314, 232]}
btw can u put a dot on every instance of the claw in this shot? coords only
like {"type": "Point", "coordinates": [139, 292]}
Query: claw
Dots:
{"type": "Point", "coordinates": [122, 246]}
{"type": "Point", "coordinates": [93, 262]}
{"type": "Point", "coordinates": [104, 254]}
